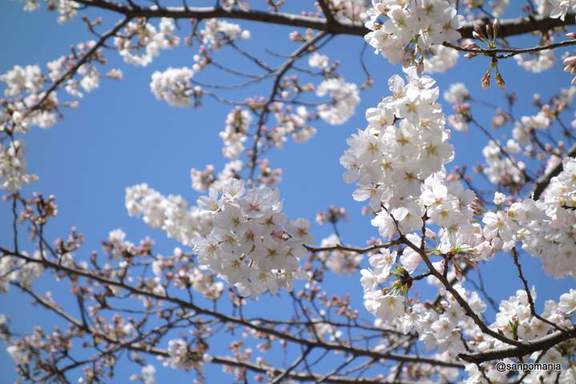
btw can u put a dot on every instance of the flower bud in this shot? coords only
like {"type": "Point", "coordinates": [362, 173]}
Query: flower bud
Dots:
{"type": "Point", "coordinates": [478, 32]}
{"type": "Point", "coordinates": [486, 80]}
{"type": "Point", "coordinates": [500, 81]}
{"type": "Point", "coordinates": [496, 28]}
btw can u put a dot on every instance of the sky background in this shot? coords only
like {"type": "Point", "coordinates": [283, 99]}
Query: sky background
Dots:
{"type": "Point", "coordinates": [121, 136]}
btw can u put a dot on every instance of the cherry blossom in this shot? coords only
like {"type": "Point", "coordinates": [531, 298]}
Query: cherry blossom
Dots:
{"type": "Point", "coordinates": [148, 43]}
{"type": "Point", "coordinates": [435, 225]}
{"type": "Point", "coordinates": [411, 28]}
{"type": "Point", "coordinates": [173, 86]}
{"type": "Point", "coordinates": [344, 98]}
{"type": "Point", "coordinates": [240, 234]}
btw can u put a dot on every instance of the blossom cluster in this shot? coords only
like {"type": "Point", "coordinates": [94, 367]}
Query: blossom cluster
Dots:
{"type": "Point", "coordinates": [142, 41]}
{"type": "Point", "coordinates": [411, 29]}
{"type": "Point", "coordinates": [458, 96]}
{"type": "Point", "coordinates": [405, 143]}
{"type": "Point", "coordinates": [349, 10]}
{"type": "Point", "coordinates": [239, 233]}
{"type": "Point", "coordinates": [147, 375]}
{"type": "Point", "coordinates": [23, 90]}
{"type": "Point", "coordinates": [13, 173]}
{"type": "Point", "coordinates": [294, 123]}
{"type": "Point", "coordinates": [235, 132]}
{"type": "Point", "coordinates": [184, 274]}
{"type": "Point", "coordinates": [202, 180]}
{"type": "Point", "coordinates": [440, 59]}
{"type": "Point", "coordinates": [338, 261]}
{"type": "Point", "coordinates": [515, 320]}
{"type": "Point", "coordinates": [344, 98]}
{"type": "Point", "coordinates": [217, 33]}
{"type": "Point", "coordinates": [66, 9]}
{"type": "Point", "coordinates": [13, 269]}
{"type": "Point", "coordinates": [546, 227]}
{"type": "Point", "coordinates": [557, 9]}
{"type": "Point", "coordinates": [398, 165]}
{"type": "Point", "coordinates": [27, 103]}
{"type": "Point", "coordinates": [174, 86]}
{"type": "Point", "coordinates": [185, 356]}
{"type": "Point", "coordinates": [500, 167]}
{"type": "Point", "coordinates": [536, 62]}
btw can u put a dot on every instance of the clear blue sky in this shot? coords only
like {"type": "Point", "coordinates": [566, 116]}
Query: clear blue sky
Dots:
{"type": "Point", "coordinates": [121, 136]}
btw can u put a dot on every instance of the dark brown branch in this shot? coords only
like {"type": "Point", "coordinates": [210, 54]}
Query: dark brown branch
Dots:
{"type": "Point", "coordinates": [461, 301]}
{"type": "Point", "coordinates": [325, 7]}
{"type": "Point", "coordinates": [346, 248]}
{"type": "Point", "coordinates": [509, 27]}
{"type": "Point", "coordinates": [528, 293]}
{"type": "Point", "coordinates": [278, 379]}
{"type": "Point", "coordinates": [509, 52]}
{"type": "Point", "coordinates": [527, 348]}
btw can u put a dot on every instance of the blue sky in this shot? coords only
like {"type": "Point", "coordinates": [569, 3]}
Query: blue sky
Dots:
{"type": "Point", "coordinates": [121, 136]}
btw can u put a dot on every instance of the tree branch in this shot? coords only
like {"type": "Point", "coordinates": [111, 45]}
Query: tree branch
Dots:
{"type": "Point", "coordinates": [139, 345]}
{"type": "Point", "coordinates": [83, 60]}
{"type": "Point", "coordinates": [232, 319]}
{"type": "Point", "coordinates": [509, 52]}
{"type": "Point", "coordinates": [327, 11]}
{"type": "Point", "coordinates": [527, 348]}
{"type": "Point", "coordinates": [463, 303]}
{"type": "Point", "coordinates": [346, 248]}
{"type": "Point", "coordinates": [509, 27]}
{"type": "Point", "coordinates": [279, 74]}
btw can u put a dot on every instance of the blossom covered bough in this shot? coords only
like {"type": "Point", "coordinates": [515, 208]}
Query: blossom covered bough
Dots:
{"type": "Point", "coordinates": [436, 222]}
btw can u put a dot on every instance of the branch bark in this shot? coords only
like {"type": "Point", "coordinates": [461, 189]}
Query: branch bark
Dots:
{"type": "Point", "coordinates": [327, 11]}
{"type": "Point", "coordinates": [510, 27]}
{"type": "Point", "coordinates": [526, 348]}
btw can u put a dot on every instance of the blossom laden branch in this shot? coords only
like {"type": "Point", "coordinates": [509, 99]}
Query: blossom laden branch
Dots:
{"type": "Point", "coordinates": [137, 345]}
{"type": "Point", "coordinates": [265, 109]}
{"type": "Point", "coordinates": [545, 180]}
{"type": "Point", "coordinates": [531, 303]}
{"type": "Point", "coordinates": [508, 52]}
{"type": "Point", "coordinates": [461, 301]}
{"type": "Point", "coordinates": [511, 27]}
{"type": "Point", "coordinates": [58, 267]}
{"type": "Point", "coordinates": [519, 351]}
{"type": "Point", "coordinates": [239, 233]}
{"type": "Point", "coordinates": [81, 61]}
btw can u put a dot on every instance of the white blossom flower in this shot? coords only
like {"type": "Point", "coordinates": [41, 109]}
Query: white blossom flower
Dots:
{"type": "Point", "coordinates": [536, 62]}
{"type": "Point", "coordinates": [411, 27]}
{"type": "Point", "coordinates": [13, 173]}
{"type": "Point", "coordinates": [216, 33]}
{"type": "Point", "coordinates": [240, 234]}
{"type": "Point", "coordinates": [173, 86]}
{"type": "Point", "coordinates": [149, 41]}
{"type": "Point", "coordinates": [344, 98]}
